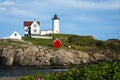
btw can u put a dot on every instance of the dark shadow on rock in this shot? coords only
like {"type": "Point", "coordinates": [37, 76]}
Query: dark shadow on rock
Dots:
{"type": "Point", "coordinates": [3, 60]}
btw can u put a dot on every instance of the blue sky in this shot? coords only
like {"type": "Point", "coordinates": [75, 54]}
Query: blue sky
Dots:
{"type": "Point", "coordinates": [99, 18]}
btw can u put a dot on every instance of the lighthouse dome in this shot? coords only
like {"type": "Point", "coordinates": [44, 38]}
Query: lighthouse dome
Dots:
{"type": "Point", "coordinates": [55, 17]}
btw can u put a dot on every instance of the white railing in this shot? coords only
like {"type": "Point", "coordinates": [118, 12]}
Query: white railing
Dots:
{"type": "Point", "coordinates": [42, 37]}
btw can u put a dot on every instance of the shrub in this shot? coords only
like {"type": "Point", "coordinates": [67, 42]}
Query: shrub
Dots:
{"type": "Point", "coordinates": [81, 40]}
{"type": "Point", "coordinates": [101, 71]}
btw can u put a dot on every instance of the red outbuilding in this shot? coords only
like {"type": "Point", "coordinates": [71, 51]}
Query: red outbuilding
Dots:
{"type": "Point", "coordinates": [57, 43]}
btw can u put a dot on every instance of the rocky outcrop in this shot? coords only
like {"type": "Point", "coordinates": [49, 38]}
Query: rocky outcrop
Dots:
{"type": "Point", "coordinates": [63, 57]}
{"type": "Point", "coordinates": [41, 56]}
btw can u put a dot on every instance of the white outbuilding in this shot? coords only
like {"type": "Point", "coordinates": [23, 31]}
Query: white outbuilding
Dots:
{"type": "Point", "coordinates": [15, 35]}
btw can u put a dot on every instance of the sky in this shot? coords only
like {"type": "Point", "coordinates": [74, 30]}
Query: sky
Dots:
{"type": "Point", "coordinates": [99, 18]}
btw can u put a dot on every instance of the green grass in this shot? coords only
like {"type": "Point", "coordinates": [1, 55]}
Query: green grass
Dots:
{"type": "Point", "coordinates": [47, 42]}
{"type": "Point", "coordinates": [66, 39]}
{"type": "Point", "coordinates": [41, 42]}
{"type": "Point", "coordinates": [4, 43]}
{"type": "Point", "coordinates": [84, 43]}
{"type": "Point", "coordinates": [11, 42]}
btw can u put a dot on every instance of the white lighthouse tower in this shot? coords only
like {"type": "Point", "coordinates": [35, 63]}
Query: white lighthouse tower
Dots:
{"type": "Point", "coordinates": [55, 24]}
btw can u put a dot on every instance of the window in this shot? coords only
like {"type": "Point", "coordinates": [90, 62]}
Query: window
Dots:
{"type": "Point", "coordinates": [15, 34]}
{"type": "Point", "coordinates": [34, 30]}
{"type": "Point", "coordinates": [26, 30]}
{"type": "Point", "coordinates": [34, 25]}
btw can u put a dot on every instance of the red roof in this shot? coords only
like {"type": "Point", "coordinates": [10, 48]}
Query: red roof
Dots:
{"type": "Point", "coordinates": [28, 23]}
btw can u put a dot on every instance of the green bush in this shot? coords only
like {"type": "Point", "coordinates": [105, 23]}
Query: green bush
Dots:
{"type": "Point", "coordinates": [81, 40]}
{"type": "Point", "coordinates": [101, 71]}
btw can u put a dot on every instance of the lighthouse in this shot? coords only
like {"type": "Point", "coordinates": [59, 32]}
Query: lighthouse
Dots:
{"type": "Point", "coordinates": [55, 24]}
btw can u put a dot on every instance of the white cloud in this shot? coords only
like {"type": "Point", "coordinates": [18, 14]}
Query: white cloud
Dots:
{"type": "Point", "coordinates": [109, 4]}
{"type": "Point", "coordinates": [5, 6]}
{"type": "Point", "coordinates": [7, 3]}
{"type": "Point", "coordinates": [38, 7]}
{"type": "Point", "coordinates": [92, 4]}
{"type": "Point", "coordinates": [25, 13]}
{"type": "Point", "coordinates": [18, 11]}
{"type": "Point", "coordinates": [46, 5]}
{"type": "Point", "coordinates": [22, 8]}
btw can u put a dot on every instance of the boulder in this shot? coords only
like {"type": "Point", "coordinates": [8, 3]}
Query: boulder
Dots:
{"type": "Point", "coordinates": [9, 60]}
{"type": "Point", "coordinates": [8, 54]}
{"type": "Point", "coordinates": [84, 57]}
{"type": "Point", "coordinates": [31, 50]}
{"type": "Point", "coordinates": [63, 57]}
{"type": "Point", "coordinates": [98, 56]}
